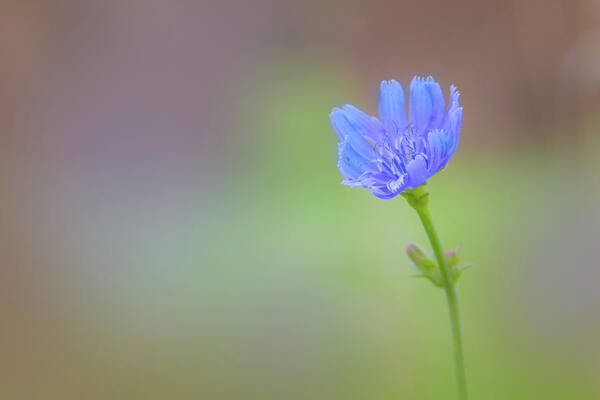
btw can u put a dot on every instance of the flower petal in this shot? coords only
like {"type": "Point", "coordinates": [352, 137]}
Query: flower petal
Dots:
{"type": "Point", "coordinates": [392, 107]}
{"type": "Point", "coordinates": [421, 105]}
{"type": "Point", "coordinates": [417, 171]}
{"type": "Point", "coordinates": [384, 193]}
{"type": "Point", "coordinates": [351, 164]}
{"type": "Point", "coordinates": [453, 118]}
{"type": "Point", "coordinates": [438, 102]}
{"type": "Point", "coordinates": [453, 108]}
{"type": "Point", "coordinates": [362, 130]}
{"type": "Point", "coordinates": [438, 151]}
{"type": "Point", "coordinates": [398, 185]}
{"type": "Point", "coordinates": [370, 126]}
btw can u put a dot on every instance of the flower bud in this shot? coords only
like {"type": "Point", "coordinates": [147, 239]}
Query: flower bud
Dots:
{"type": "Point", "coordinates": [418, 256]}
{"type": "Point", "coordinates": [451, 257]}
{"type": "Point", "coordinates": [415, 252]}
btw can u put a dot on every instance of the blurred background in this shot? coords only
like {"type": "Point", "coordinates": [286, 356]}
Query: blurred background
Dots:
{"type": "Point", "coordinates": [172, 223]}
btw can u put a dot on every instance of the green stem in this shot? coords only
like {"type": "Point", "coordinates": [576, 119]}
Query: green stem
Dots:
{"type": "Point", "coordinates": [419, 199]}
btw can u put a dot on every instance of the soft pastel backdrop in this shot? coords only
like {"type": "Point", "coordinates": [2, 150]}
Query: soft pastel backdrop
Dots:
{"type": "Point", "coordinates": [172, 223]}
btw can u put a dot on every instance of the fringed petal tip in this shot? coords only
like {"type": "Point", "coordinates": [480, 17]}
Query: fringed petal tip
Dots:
{"type": "Point", "coordinates": [423, 79]}
{"type": "Point", "coordinates": [390, 82]}
{"type": "Point", "coordinates": [454, 97]}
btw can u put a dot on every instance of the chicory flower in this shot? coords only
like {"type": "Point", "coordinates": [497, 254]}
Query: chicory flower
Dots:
{"type": "Point", "coordinates": [396, 152]}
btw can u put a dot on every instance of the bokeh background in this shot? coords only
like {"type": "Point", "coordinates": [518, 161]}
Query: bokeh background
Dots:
{"type": "Point", "coordinates": [172, 224]}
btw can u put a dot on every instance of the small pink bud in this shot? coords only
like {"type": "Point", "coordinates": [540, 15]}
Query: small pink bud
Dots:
{"type": "Point", "coordinates": [451, 257]}
{"type": "Point", "coordinates": [415, 252]}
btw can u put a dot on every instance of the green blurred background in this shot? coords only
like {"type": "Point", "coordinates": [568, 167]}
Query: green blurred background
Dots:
{"type": "Point", "coordinates": [173, 224]}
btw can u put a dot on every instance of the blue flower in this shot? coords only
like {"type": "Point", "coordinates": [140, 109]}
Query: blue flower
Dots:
{"type": "Point", "coordinates": [394, 153]}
